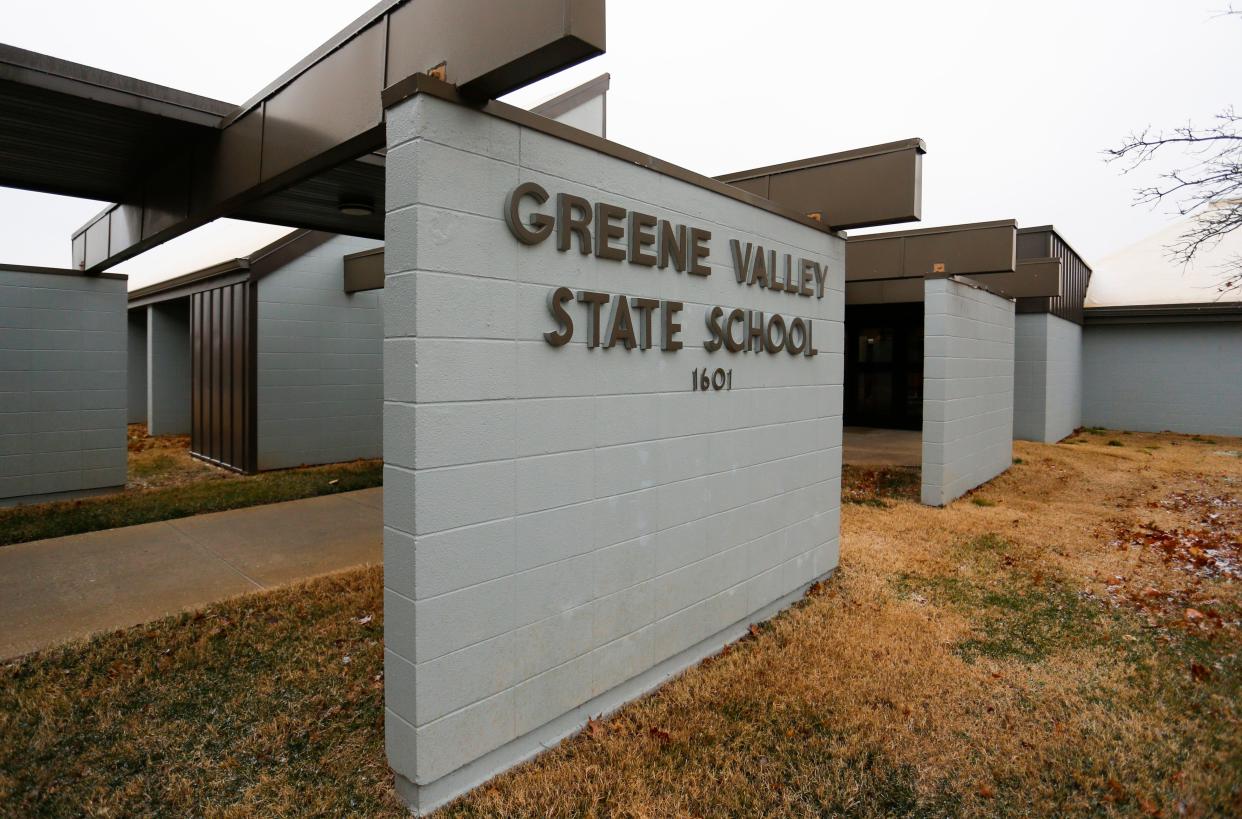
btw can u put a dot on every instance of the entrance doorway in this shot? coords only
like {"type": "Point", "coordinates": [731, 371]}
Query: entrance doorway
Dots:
{"type": "Point", "coordinates": [884, 365]}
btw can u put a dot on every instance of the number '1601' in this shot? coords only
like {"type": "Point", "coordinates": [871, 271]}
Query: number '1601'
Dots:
{"type": "Point", "coordinates": [704, 380]}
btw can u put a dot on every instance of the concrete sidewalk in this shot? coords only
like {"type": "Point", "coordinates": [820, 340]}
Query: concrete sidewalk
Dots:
{"type": "Point", "coordinates": [55, 590]}
{"type": "Point", "coordinates": [869, 446]}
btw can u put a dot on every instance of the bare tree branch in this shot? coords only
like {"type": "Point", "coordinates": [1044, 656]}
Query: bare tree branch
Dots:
{"type": "Point", "coordinates": [1208, 187]}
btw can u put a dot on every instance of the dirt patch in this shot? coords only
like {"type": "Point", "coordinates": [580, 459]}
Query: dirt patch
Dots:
{"type": "Point", "coordinates": [159, 461]}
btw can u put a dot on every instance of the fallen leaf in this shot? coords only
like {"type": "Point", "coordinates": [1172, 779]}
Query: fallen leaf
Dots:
{"type": "Point", "coordinates": [660, 734]}
{"type": "Point", "coordinates": [754, 630]}
{"type": "Point", "coordinates": [595, 729]}
{"type": "Point", "coordinates": [1149, 807]}
{"type": "Point", "coordinates": [1200, 672]}
{"type": "Point", "coordinates": [986, 791]}
{"type": "Point", "coordinates": [1193, 614]}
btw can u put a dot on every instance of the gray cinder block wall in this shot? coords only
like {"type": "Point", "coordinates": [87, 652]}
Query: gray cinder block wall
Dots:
{"type": "Point", "coordinates": [1167, 376]}
{"type": "Point", "coordinates": [63, 396]}
{"type": "Point", "coordinates": [167, 367]}
{"type": "Point", "coordinates": [968, 374]}
{"type": "Point", "coordinates": [136, 367]}
{"type": "Point", "coordinates": [1047, 389]}
{"type": "Point", "coordinates": [566, 527]}
{"type": "Point", "coordinates": [320, 368]}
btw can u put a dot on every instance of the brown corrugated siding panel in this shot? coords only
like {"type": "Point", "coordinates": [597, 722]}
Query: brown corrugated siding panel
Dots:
{"type": "Point", "coordinates": [1075, 275]}
{"type": "Point", "coordinates": [223, 376]}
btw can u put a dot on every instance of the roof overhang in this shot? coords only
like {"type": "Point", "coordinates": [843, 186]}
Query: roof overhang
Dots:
{"type": "Point", "coordinates": [1040, 243]}
{"type": "Point", "coordinates": [310, 142]}
{"type": "Point", "coordinates": [78, 131]}
{"type": "Point", "coordinates": [864, 187]}
{"type": "Point", "coordinates": [1221, 311]}
{"type": "Point", "coordinates": [883, 268]}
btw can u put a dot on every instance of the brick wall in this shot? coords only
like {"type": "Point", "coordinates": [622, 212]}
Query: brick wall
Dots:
{"type": "Point", "coordinates": [566, 527]}
{"type": "Point", "coordinates": [319, 362]}
{"type": "Point", "coordinates": [1047, 403]}
{"type": "Point", "coordinates": [63, 396]}
{"type": "Point", "coordinates": [968, 373]}
{"type": "Point", "coordinates": [1155, 377]}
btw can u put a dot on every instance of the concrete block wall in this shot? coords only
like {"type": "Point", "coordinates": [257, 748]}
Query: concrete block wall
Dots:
{"type": "Point", "coordinates": [968, 388]}
{"type": "Point", "coordinates": [567, 527]}
{"type": "Point", "coordinates": [1047, 390]}
{"type": "Point", "coordinates": [168, 364]}
{"type": "Point", "coordinates": [63, 395]}
{"type": "Point", "coordinates": [136, 366]}
{"type": "Point", "coordinates": [320, 370]}
{"type": "Point", "coordinates": [1156, 377]}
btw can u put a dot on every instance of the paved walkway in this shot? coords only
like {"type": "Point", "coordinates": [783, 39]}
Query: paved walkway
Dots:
{"type": "Point", "coordinates": [55, 590]}
{"type": "Point", "coordinates": [883, 447]}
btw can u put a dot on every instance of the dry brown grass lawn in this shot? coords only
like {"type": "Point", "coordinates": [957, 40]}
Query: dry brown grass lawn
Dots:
{"type": "Point", "coordinates": [1071, 649]}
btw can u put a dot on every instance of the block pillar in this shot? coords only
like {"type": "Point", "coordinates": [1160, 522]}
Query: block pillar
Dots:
{"type": "Point", "coordinates": [168, 367]}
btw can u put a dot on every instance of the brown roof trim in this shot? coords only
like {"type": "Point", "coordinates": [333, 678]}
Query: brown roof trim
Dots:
{"type": "Point", "coordinates": [1216, 311]}
{"type": "Point", "coordinates": [574, 97]}
{"type": "Point", "coordinates": [1061, 236]}
{"type": "Point", "coordinates": [828, 159]}
{"type": "Point", "coordinates": [423, 84]}
{"type": "Point", "coordinates": [263, 261]}
{"type": "Point", "coordinates": [363, 21]}
{"type": "Point", "coordinates": [174, 287]}
{"type": "Point", "coordinates": [928, 231]}
{"type": "Point", "coordinates": [65, 77]}
{"type": "Point", "coordinates": [284, 250]}
{"type": "Point", "coordinates": [58, 271]}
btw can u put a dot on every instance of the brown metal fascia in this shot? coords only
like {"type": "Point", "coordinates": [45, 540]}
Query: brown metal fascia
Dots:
{"type": "Point", "coordinates": [574, 97]}
{"type": "Point", "coordinates": [1212, 312]}
{"type": "Point", "coordinates": [327, 109]}
{"type": "Point", "coordinates": [1051, 229]}
{"type": "Point", "coordinates": [336, 41]}
{"type": "Point", "coordinates": [77, 80]}
{"type": "Point", "coordinates": [56, 271]}
{"type": "Point", "coordinates": [221, 279]}
{"type": "Point", "coordinates": [931, 231]}
{"type": "Point", "coordinates": [423, 84]}
{"type": "Point", "coordinates": [828, 159]}
{"type": "Point", "coordinates": [1034, 279]}
{"type": "Point", "coordinates": [970, 249]}
{"type": "Point", "coordinates": [364, 270]}
{"type": "Point", "coordinates": [276, 255]}
{"type": "Point", "coordinates": [216, 275]}
{"type": "Point", "coordinates": [862, 187]}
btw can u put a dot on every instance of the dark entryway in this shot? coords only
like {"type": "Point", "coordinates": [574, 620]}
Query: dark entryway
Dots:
{"type": "Point", "coordinates": [884, 365]}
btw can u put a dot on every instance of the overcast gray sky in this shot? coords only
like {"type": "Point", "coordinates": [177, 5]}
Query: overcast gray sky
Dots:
{"type": "Point", "coordinates": [1016, 101]}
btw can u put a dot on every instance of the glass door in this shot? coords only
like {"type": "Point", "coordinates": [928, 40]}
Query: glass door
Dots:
{"type": "Point", "coordinates": [884, 365]}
